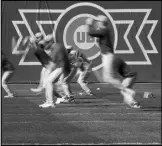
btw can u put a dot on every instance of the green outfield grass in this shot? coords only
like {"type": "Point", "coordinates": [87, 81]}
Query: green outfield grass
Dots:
{"type": "Point", "coordinates": [100, 119]}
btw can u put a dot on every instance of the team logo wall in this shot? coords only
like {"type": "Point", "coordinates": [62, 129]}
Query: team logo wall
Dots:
{"type": "Point", "coordinates": [135, 31]}
{"type": "Point", "coordinates": [74, 33]}
{"type": "Point", "coordinates": [131, 32]}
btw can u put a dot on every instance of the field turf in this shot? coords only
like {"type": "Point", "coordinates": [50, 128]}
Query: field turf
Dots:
{"type": "Point", "coordinates": [101, 119]}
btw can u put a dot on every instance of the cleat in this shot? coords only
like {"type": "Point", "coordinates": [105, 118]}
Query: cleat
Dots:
{"type": "Point", "coordinates": [47, 105]}
{"type": "Point", "coordinates": [59, 100]}
{"type": "Point", "coordinates": [135, 105]}
{"type": "Point", "coordinates": [86, 93]}
{"type": "Point", "coordinates": [65, 101]}
{"type": "Point", "coordinates": [43, 104]}
{"type": "Point", "coordinates": [68, 99]}
{"type": "Point", "coordinates": [9, 96]}
{"type": "Point", "coordinates": [90, 94]}
{"type": "Point", "coordinates": [81, 93]}
{"type": "Point", "coordinates": [71, 99]}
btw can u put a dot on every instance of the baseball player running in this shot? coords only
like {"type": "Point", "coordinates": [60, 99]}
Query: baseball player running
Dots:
{"type": "Point", "coordinates": [115, 70]}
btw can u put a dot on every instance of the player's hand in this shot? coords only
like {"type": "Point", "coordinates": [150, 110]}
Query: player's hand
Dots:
{"type": "Point", "coordinates": [32, 39]}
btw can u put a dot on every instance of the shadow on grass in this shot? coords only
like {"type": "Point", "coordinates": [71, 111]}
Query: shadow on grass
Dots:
{"type": "Point", "coordinates": [35, 131]}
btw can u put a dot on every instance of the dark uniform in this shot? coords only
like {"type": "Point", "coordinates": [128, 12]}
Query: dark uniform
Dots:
{"type": "Point", "coordinates": [60, 57]}
{"type": "Point", "coordinates": [39, 52]}
{"type": "Point", "coordinates": [6, 65]}
{"type": "Point", "coordinates": [104, 38]}
{"type": "Point", "coordinates": [57, 54]}
{"type": "Point", "coordinates": [114, 69]}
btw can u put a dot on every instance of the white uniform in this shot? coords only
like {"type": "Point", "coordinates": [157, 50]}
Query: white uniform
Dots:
{"type": "Point", "coordinates": [60, 67]}
{"type": "Point", "coordinates": [81, 67]}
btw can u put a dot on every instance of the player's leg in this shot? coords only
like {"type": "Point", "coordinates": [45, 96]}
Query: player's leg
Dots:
{"type": "Point", "coordinates": [128, 93]}
{"type": "Point", "coordinates": [129, 76]}
{"type": "Point", "coordinates": [40, 86]}
{"type": "Point", "coordinates": [5, 77]}
{"type": "Point", "coordinates": [48, 84]}
{"type": "Point", "coordinates": [83, 75]}
{"type": "Point", "coordinates": [66, 85]}
{"type": "Point", "coordinates": [58, 92]}
{"type": "Point", "coordinates": [128, 81]}
{"type": "Point", "coordinates": [71, 75]}
{"type": "Point", "coordinates": [66, 78]}
{"type": "Point", "coordinates": [47, 72]}
{"type": "Point", "coordinates": [111, 75]}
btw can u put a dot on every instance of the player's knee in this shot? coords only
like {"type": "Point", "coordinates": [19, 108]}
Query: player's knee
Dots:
{"type": "Point", "coordinates": [47, 82]}
{"type": "Point", "coordinates": [48, 85]}
{"type": "Point", "coordinates": [64, 84]}
{"type": "Point", "coordinates": [129, 80]}
{"type": "Point", "coordinates": [3, 82]}
{"type": "Point", "coordinates": [80, 81]}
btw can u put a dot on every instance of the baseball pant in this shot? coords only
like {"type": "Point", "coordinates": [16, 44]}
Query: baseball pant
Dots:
{"type": "Point", "coordinates": [5, 77]}
{"type": "Point", "coordinates": [117, 73]}
{"type": "Point", "coordinates": [83, 74]}
{"type": "Point", "coordinates": [58, 75]}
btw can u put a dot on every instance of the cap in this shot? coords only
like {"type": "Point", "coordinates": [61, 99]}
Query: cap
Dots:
{"type": "Point", "coordinates": [102, 18]}
{"type": "Point", "coordinates": [69, 47]}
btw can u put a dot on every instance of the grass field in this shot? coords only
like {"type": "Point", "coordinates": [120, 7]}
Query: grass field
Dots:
{"type": "Point", "coordinates": [101, 119]}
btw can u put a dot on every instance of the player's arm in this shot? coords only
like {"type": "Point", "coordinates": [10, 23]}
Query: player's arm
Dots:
{"type": "Point", "coordinates": [84, 58]}
{"type": "Point", "coordinates": [81, 57]}
{"type": "Point", "coordinates": [33, 43]}
{"type": "Point", "coordinates": [29, 41]}
{"type": "Point", "coordinates": [73, 57]}
{"type": "Point", "coordinates": [49, 40]}
{"type": "Point", "coordinates": [26, 40]}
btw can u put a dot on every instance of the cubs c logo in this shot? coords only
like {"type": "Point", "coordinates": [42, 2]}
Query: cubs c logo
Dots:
{"type": "Point", "coordinates": [71, 30]}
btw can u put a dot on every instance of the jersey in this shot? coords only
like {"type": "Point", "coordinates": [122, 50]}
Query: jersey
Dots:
{"type": "Point", "coordinates": [104, 36]}
{"type": "Point", "coordinates": [77, 56]}
{"type": "Point", "coordinates": [39, 52]}
{"type": "Point", "coordinates": [47, 42]}
{"type": "Point", "coordinates": [59, 56]}
{"type": "Point", "coordinates": [6, 65]}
